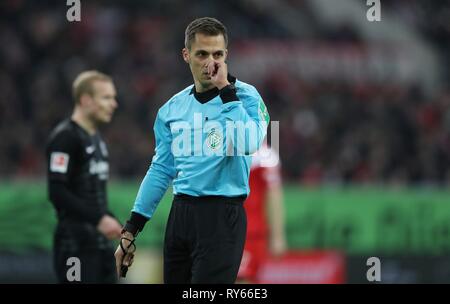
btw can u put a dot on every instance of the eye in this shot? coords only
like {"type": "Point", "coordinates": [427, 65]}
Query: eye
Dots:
{"type": "Point", "coordinates": [202, 54]}
{"type": "Point", "coordinates": [218, 55]}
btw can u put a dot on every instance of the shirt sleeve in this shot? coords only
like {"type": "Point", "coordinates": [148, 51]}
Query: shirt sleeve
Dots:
{"type": "Point", "coordinates": [161, 171]}
{"type": "Point", "coordinates": [62, 152]}
{"type": "Point", "coordinates": [249, 118]}
{"type": "Point", "coordinates": [64, 199]}
{"type": "Point", "coordinates": [61, 155]}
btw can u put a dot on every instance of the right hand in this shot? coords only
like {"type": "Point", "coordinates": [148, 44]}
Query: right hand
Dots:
{"type": "Point", "coordinates": [122, 258]}
{"type": "Point", "coordinates": [109, 227]}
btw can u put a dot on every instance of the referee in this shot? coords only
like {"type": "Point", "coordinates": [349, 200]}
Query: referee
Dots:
{"type": "Point", "coordinates": [77, 175]}
{"type": "Point", "coordinates": [209, 167]}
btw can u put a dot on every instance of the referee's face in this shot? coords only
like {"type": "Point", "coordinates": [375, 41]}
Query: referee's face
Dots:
{"type": "Point", "coordinates": [103, 102]}
{"type": "Point", "coordinates": [204, 49]}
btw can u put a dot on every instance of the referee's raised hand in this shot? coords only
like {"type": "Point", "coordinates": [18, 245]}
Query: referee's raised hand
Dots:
{"type": "Point", "coordinates": [218, 72]}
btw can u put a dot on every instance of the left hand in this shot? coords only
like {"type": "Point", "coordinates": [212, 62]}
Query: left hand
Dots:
{"type": "Point", "coordinates": [218, 72]}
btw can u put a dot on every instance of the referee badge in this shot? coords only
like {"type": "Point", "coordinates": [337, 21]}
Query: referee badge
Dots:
{"type": "Point", "coordinates": [214, 139]}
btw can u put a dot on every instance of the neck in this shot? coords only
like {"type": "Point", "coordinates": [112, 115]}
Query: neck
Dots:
{"type": "Point", "coordinates": [80, 118]}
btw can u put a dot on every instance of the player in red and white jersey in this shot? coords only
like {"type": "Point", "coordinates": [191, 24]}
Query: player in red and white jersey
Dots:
{"type": "Point", "coordinates": [265, 214]}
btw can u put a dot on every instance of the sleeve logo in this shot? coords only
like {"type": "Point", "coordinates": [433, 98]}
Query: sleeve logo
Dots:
{"type": "Point", "coordinates": [59, 162]}
{"type": "Point", "coordinates": [262, 111]}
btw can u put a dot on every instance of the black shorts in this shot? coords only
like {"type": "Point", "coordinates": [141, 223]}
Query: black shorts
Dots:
{"type": "Point", "coordinates": [96, 258]}
{"type": "Point", "coordinates": [204, 240]}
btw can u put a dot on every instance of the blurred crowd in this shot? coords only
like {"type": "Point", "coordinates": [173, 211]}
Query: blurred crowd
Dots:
{"type": "Point", "coordinates": [330, 131]}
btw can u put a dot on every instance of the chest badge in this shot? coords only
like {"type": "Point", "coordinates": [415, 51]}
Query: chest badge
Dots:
{"type": "Point", "coordinates": [214, 139]}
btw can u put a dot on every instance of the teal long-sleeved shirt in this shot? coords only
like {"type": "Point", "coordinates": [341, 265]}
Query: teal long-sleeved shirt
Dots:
{"type": "Point", "coordinates": [204, 148]}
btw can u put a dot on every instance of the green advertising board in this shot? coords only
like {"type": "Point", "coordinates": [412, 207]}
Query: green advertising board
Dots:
{"type": "Point", "coordinates": [357, 220]}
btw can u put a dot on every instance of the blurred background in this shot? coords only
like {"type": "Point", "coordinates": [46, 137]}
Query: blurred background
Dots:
{"type": "Point", "coordinates": [363, 109]}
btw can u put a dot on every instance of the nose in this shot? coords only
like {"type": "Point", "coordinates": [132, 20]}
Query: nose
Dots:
{"type": "Point", "coordinates": [209, 61]}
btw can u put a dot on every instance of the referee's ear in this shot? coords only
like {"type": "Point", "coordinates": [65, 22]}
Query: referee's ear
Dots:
{"type": "Point", "coordinates": [185, 53]}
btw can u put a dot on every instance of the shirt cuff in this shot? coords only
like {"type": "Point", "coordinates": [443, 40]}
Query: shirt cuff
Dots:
{"type": "Point", "coordinates": [95, 218]}
{"type": "Point", "coordinates": [135, 224]}
{"type": "Point", "coordinates": [228, 94]}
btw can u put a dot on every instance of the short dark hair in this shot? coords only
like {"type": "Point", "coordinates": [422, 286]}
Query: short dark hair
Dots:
{"type": "Point", "coordinates": [207, 26]}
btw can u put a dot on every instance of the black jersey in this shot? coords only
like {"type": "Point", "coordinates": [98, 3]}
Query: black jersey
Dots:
{"type": "Point", "coordinates": [78, 171]}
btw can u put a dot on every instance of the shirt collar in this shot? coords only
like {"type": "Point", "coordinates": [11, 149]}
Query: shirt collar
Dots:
{"type": "Point", "coordinates": [204, 97]}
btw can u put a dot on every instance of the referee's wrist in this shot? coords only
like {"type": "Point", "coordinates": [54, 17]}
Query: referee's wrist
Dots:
{"type": "Point", "coordinates": [228, 93]}
{"type": "Point", "coordinates": [128, 235]}
{"type": "Point", "coordinates": [223, 85]}
{"type": "Point", "coordinates": [135, 224]}
{"type": "Point", "coordinates": [129, 229]}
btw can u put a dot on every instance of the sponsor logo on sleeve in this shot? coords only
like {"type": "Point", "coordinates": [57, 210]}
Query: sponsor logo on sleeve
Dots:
{"type": "Point", "coordinates": [59, 162]}
{"type": "Point", "coordinates": [263, 114]}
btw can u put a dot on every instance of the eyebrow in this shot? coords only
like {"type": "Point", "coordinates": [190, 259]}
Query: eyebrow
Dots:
{"type": "Point", "coordinates": [219, 52]}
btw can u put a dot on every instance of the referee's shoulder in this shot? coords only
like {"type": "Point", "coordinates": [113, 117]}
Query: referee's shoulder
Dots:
{"type": "Point", "coordinates": [244, 88]}
{"type": "Point", "coordinates": [178, 97]}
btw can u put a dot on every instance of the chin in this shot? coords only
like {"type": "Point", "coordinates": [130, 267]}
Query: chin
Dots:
{"type": "Point", "coordinates": [206, 84]}
{"type": "Point", "coordinates": [105, 120]}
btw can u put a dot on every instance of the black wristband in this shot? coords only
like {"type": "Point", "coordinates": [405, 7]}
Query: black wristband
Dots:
{"type": "Point", "coordinates": [135, 224]}
{"type": "Point", "coordinates": [228, 93]}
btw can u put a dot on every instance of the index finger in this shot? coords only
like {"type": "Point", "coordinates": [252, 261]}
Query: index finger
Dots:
{"type": "Point", "coordinates": [210, 66]}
